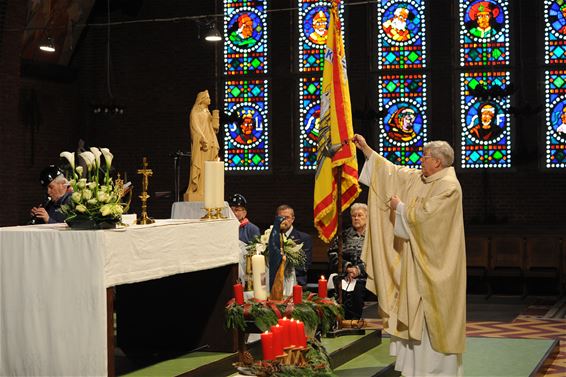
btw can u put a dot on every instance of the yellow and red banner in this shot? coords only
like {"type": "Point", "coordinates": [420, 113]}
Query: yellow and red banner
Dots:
{"type": "Point", "coordinates": [335, 132]}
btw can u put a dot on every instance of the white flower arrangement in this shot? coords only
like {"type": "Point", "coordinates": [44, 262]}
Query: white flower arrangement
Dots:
{"type": "Point", "coordinates": [292, 250]}
{"type": "Point", "coordinates": [94, 198]}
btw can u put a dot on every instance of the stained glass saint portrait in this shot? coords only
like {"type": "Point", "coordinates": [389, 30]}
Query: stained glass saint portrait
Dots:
{"type": "Point", "coordinates": [244, 30]}
{"type": "Point", "coordinates": [484, 19]}
{"type": "Point", "coordinates": [400, 22]}
{"type": "Point", "coordinates": [400, 126]}
{"type": "Point", "coordinates": [486, 121]}
{"type": "Point", "coordinates": [246, 131]}
{"type": "Point", "coordinates": [317, 19]}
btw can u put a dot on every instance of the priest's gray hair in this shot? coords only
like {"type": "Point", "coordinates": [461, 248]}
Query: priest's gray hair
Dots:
{"type": "Point", "coordinates": [357, 207]}
{"type": "Point", "coordinates": [441, 150]}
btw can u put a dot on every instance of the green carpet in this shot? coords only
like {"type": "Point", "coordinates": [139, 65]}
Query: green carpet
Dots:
{"type": "Point", "coordinates": [503, 357]}
{"type": "Point", "coordinates": [175, 367]}
{"type": "Point", "coordinates": [367, 364]}
{"type": "Point", "coordinates": [493, 357]}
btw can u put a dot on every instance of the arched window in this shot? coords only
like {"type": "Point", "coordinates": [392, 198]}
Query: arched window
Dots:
{"type": "Point", "coordinates": [402, 82]}
{"type": "Point", "coordinates": [246, 89]}
{"type": "Point", "coordinates": [485, 84]}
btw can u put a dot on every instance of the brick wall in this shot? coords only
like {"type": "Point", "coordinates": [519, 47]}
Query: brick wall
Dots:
{"type": "Point", "coordinates": [157, 69]}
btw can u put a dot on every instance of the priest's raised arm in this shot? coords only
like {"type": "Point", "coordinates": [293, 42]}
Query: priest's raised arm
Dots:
{"type": "Point", "coordinates": [415, 258]}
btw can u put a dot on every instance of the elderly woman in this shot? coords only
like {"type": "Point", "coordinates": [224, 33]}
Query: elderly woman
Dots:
{"type": "Point", "coordinates": [353, 268]}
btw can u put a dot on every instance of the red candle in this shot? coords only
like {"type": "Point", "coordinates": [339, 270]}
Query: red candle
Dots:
{"type": "Point", "coordinates": [297, 294]}
{"type": "Point", "coordinates": [294, 333]}
{"type": "Point", "coordinates": [267, 345]}
{"type": "Point", "coordinates": [285, 332]}
{"type": "Point", "coordinates": [239, 293]}
{"type": "Point", "coordinates": [277, 345]}
{"type": "Point", "coordinates": [302, 335]}
{"type": "Point", "coordinates": [322, 287]}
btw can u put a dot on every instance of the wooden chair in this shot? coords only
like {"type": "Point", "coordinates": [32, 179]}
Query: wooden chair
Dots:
{"type": "Point", "coordinates": [506, 268]}
{"type": "Point", "coordinates": [544, 262]}
{"type": "Point", "coordinates": [477, 263]}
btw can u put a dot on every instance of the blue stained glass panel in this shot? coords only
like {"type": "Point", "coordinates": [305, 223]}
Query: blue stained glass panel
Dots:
{"type": "Point", "coordinates": [555, 119]}
{"type": "Point", "coordinates": [403, 129]}
{"type": "Point", "coordinates": [309, 117]}
{"type": "Point", "coordinates": [246, 135]}
{"type": "Point", "coordinates": [401, 41]}
{"type": "Point", "coordinates": [486, 136]}
{"type": "Point", "coordinates": [555, 32]}
{"type": "Point", "coordinates": [484, 33]}
{"type": "Point", "coordinates": [245, 37]}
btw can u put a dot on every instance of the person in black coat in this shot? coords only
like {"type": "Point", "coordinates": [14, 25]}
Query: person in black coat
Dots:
{"type": "Point", "coordinates": [291, 232]}
{"type": "Point", "coordinates": [58, 193]}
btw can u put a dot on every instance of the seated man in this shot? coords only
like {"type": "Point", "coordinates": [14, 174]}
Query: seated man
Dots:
{"type": "Point", "coordinates": [353, 268]}
{"type": "Point", "coordinates": [58, 193]}
{"type": "Point", "coordinates": [299, 237]}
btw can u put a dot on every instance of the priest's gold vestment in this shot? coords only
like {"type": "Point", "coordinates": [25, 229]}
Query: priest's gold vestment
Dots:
{"type": "Point", "coordinates": [421, 281]}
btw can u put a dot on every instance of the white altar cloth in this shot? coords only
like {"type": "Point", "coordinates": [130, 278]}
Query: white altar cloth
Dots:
{"type": "Point", "coordinates": [53, 285]}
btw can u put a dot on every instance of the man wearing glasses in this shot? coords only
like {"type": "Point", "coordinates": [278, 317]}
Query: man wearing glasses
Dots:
{"type": "Point", "coordinates": [415, 258]}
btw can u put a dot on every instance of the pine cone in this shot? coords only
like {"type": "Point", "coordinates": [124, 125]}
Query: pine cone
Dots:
{"type": "Point", "coordinates": [247, 358]}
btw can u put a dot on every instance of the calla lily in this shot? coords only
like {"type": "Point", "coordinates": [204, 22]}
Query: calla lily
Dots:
{"type": "Point", "coordinates": [79, 170]}
{"type": "Point", "coordinates": [96, 152]}
{"type": "Point", "coordinates": [69, 157]}
{"type": "Point", "coordinates": [107, 156]}
{"type": "Point", "coordinates": [89, 159]}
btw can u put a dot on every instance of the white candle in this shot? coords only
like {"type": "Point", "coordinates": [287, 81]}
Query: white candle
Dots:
{"type": "Point", "coordinates": [213, 184]}
{"type": "Point", "coordinates": [258, 271]}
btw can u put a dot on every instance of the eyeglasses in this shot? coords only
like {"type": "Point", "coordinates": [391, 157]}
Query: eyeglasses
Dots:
{"type": "Point", "coordinates": [423, 157]}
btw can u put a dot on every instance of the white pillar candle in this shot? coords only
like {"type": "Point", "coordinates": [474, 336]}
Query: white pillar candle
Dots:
{"type": "Point", "coordinates": [258, 271]}
{"type": "Point", "coordinates": [213, 184]}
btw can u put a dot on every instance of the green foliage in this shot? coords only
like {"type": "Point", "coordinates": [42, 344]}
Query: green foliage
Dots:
{"type": "Point", "coordinates": [263, 316]}
{"type": "Point", "coordinates": [306, 313]}
{"type": "Point", "coordinates": [235, 317]}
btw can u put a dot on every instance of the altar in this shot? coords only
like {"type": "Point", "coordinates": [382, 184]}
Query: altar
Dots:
{"type": "Point", "coordinates": [53, 286]}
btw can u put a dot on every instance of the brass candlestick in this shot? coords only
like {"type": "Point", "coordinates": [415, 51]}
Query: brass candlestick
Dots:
{"type": "Point", "coordinates": [213, 214]}
{"type": "Point", "coordinates": [145, 219]}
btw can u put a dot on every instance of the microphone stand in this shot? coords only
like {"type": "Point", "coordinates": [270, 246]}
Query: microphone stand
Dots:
{"type": "Point", "coordinates": [176, 170]}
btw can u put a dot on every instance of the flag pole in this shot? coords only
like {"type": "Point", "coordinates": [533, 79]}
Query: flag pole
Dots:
{"type": "Point", "coordinates": [339, 229]}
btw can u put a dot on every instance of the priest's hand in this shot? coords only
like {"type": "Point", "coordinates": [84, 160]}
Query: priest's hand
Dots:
{"type": "Point", "coordinates": [361, 144]}
{"type": "Point", "coordinates": [394, 202]}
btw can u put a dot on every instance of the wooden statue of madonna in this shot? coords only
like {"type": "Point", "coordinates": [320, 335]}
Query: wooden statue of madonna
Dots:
{"type": "Point", "coordinates": [204, 144]}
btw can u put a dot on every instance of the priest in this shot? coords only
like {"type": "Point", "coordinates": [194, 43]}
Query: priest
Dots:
{"type": "Point", "coordinates": [415, 258]}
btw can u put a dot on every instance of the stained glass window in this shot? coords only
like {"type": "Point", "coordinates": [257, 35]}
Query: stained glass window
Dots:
{"type": "Point", "coordinates": [486, 136]}
{"type": "Point", "coordinates": [555, 83]}
{"type": "Point", "coordinates": [309, 116]}
{"type": "Point", "coordinates": [312, 24]}
{"type": "Point", "coordinates": [246, 134]}
{"type": "Point", "coordinates": [484, 90]}
{"type": "Point", "coordinates": [555, 31]}
{"type": "Point", "coordinates": [245, 32]}
{"type": "Point", "coordinates": [314, 16]}
{"type": "Point", "coordinates": [404, 127]}
{"type": "Point", "coordinates": [402, 90]}
{"type": "Point", "coordinates": [246, 101]}
{"type": "Point", "coordinates": [400, 34]}
{"type": "Point", "coordinates": [556, 119]}
{"type": "Point", "coordinates": [484, 33]}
